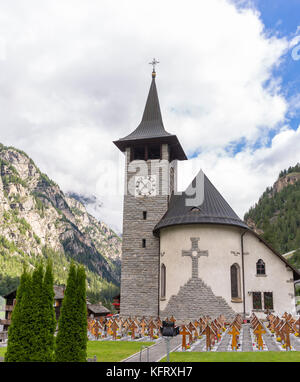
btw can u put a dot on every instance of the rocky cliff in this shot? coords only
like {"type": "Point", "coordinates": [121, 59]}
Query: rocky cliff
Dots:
{"type": "Point", "coordinates": [38, 220]}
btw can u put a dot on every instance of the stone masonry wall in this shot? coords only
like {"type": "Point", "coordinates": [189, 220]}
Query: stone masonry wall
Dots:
{"type": "Point", "coordinates": [140, 266]}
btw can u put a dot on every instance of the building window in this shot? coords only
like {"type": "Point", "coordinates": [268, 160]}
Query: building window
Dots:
{"type": "Point", "coordinates": [144, 243]}
{"type": "Point", "coordinates": [235, 281]}
{"type": "Point", "coordinates": [144, 215]}
{"type": "Point", "coordinates": [268, 300]}
{"type": "Point", "coordinates": [163, 281]}
{"type": "Point", "coordinates": [139, 153]}
{"type": "Point", "coordinates": [260, 267]}
{"type": "Point", "coordinates": [154, 152]}
{"type": "Point", "coordinates": [257, 300]}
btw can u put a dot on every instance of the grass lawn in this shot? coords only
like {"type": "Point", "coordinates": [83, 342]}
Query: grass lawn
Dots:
{"type": "Point", "coordinates": [111, 351]}
{"type": "Point", "coordinates": [270, 356]}
{"type": "Point", "coordinates": [2, 352]}
{"type": "Point", "coordinates": [108, 351]}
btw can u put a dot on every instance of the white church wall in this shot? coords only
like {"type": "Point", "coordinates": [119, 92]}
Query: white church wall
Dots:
{"type": "Point", "coordinates": [214, 270]}
{"type": "Point", "coordinates": [223, 244]}
{"type": "Point", "coordinates": [278, 278]}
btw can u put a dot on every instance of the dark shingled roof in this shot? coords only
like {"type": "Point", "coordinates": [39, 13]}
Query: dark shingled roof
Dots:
{"type": "Point", "coordinates": [97, 308]}
{"type": "Point", "coordinates": [213, 210]}
{"type": "Point", "coordinates": [151, 129]}
{"type": "Point", "coordinates": [152, 124]}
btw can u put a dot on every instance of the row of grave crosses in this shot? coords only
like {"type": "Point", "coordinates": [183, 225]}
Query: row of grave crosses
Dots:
{"type": "Point", "coordinates": [258, 329]}
{"type": "Point", "coordinates": [283, 327]}
{"type": "Point", "coordinates": [234, 331]}
{"type": "Point", "coordinates": [212, 329]}
{"type": "Point", "coordinates": [116, 328]}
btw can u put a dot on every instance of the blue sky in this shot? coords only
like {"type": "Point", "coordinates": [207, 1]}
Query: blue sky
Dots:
{"type": "Point", "coordinates": [282, 18]}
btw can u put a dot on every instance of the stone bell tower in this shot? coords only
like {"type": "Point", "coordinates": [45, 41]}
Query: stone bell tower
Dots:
{"type": "Point", "coordinates": [150, 178]}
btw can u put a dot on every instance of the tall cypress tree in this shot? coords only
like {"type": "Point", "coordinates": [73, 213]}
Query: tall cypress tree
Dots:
{"type": "Point", "coordinates": [81, 315]}
{"type": "Point", "coordinates": [31, 334]}
{"type": "Point", "coordinates": [36, 323]}
{"type": "Point", "coordinates": [24, 324]}
{"type": "Point", "coordinates": [49, 314]}
{"type": "Point", "coordinates": [66, 339]}
{"type": "Point", "coordinates": [16, 351]}
{"type": "Point", "coordinates": [71, 340]}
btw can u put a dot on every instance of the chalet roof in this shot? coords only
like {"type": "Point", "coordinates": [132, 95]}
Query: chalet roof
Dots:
{"type": "Point", "coordinates": [58, 290]}
{"type": "Point", "coordinates": [211, 208]}
{"type": "Point", "coordinates": [151, 128]}
{"type": "Point", "coordinates": [11, 294]}
{"type": "Point", "coordinates": [97, 308]}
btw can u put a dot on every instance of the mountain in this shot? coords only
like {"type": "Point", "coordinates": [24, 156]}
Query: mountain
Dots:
{"type": "Point", "coordinates": [37, 220]}
{"type": "Point", "coordinates": [276, 216]}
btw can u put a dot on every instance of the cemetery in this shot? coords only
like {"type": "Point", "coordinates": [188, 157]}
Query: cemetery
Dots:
{"type": "Point", "coordinates": [254, 339]}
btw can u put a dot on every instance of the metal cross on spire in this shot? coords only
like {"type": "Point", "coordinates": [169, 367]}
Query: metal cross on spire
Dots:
{"type": "Point", "coordinates": [153, 63]}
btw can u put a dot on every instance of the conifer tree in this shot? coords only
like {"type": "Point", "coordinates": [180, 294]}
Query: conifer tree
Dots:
{"type": "Point", "coordinates": [37, 347]}
{"type": "Point", "coordinates": [81, 315]}
{"type": "Point", "coordinates": [66, 348]}
{"type": "Point", "coordinates": [23, 335]}
{"type": "Point", "coordinates": [16, 347]}
{"type": "Point", "coordinates": [49, 313]}
{"type": "Point", "coordinates": [31, 334]}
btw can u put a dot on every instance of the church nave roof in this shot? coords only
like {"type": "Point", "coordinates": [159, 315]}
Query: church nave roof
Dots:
{"type": "Point", "coordinates": [211, 209]}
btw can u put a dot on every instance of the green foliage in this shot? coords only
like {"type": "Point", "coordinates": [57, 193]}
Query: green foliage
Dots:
{"type": "Point", "coordinates": [46, 180]}
{"type": "Point", "coordinates": [290, 170]}
{"type": "Point", "coordinates": [19, 333]}
{"type": "Point", "coordinates": [13, 179]}
{"type": "Point", "coordinates": [278, 215]}
{"type": "Point", "coordinates": [295, 259]}
{"type": "Point", "coordinates": [71, 340]}
{"type": "Point", "coordinates": [36, 316]}
{"type": "Point", "coordinates": [105, 295]}
{"type": "Point", "coordinates": [31, 333]}
{"type": "Point", "coordinates": [8, 283]}
{"type": "Point", "coordinates": [76, 211]}
{"type": "Point", "coordinates": [37, 239]}
{"type": "Point", "coordinates": [48, 313]}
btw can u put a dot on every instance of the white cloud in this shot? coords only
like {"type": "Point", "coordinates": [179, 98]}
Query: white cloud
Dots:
{"type": "Point", "coordinates": [74, 76]}
{"type": "Point", "coordinates": [243, 178]}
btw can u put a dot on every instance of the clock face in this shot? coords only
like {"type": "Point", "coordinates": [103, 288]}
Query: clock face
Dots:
{"type": "Point", "coordinates": [145, 185]}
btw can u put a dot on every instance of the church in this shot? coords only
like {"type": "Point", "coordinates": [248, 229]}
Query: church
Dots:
{"type": "Point", "coordinates": [188, 254]}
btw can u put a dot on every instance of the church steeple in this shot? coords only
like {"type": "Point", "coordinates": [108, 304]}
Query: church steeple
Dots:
{"type": "Point", "coordinates": [152, 109]}
{"type": "Point", "coordinates": [151, 126]}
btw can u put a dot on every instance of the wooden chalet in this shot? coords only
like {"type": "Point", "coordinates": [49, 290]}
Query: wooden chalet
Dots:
{"type": "Point", "coordinates": [59, 291]}
{"type": "Point", "coordinates": [10, 301]}
{"type": "Point", "coordinates": [97, 310]}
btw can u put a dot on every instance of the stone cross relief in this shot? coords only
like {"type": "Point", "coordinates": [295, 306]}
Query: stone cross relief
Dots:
{"type": "Point", "coordinates": [195, 253]}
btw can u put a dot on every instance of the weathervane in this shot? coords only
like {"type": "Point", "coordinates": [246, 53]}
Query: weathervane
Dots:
{"type": "Point", "coordinates": [153, 63]}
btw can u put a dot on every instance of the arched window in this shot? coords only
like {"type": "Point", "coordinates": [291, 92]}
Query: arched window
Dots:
{"type": "Point", "coordinates": [260, 267]}
{"type": "Point", "coordinates": [163, 281]}
{"type": "Point", "coordinates": [235, 281]}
